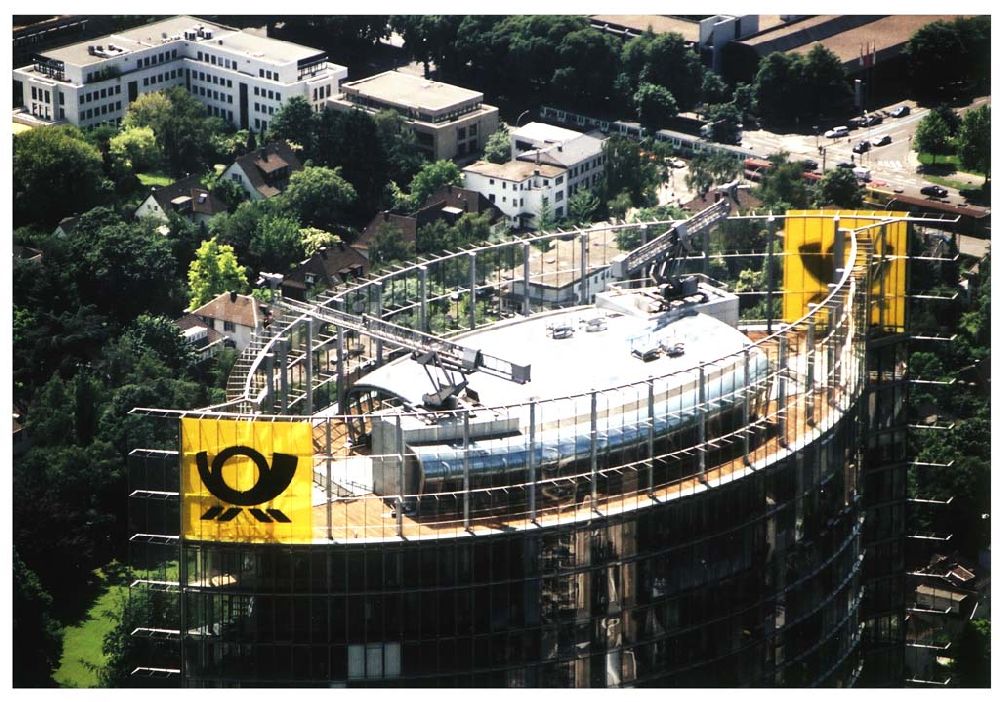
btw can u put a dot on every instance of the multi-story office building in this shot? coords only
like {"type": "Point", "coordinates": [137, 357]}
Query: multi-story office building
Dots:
{"type": "Point", "coordinates": [238, 76]}
{"type": "Point", "coordinates": [449, 122]}
{"type": "Point", "coordinates": [641, 490]}
{"type": "Point", "coordinates": [580, 154]}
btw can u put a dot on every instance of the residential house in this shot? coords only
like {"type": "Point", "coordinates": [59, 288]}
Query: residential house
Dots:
{"type": "Point", "coordinates": [448, 121]}
{"type": "Point", "coordinates": [550, 164]}
{"type": "Point", "coordinates": [236, 316]}
{"type": "Point", "coordinates": [65, 227]}
{"type": "Point", "coordinates": [206, 341]}
{"type": "Point", "coordinates": [240, 76]}
{"type": "Point", "coordinates": [264, 172]}
{"type": "Point", "coordinates": [187, 198]}
{"type": "Point", "coordinates": [325, 269]}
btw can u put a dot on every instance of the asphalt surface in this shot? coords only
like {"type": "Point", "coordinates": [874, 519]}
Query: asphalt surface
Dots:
{"type": "Point", "coordinates": [893, 165]}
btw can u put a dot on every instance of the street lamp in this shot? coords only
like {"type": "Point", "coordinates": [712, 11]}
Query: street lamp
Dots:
{"type": "Point", "coordinates": [517, 122]}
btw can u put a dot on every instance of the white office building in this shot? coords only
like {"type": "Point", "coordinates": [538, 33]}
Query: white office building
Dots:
{"type": "Point", "coordinates": [580, 154]}
{"type": "Point", "coordinates": [239, 76]}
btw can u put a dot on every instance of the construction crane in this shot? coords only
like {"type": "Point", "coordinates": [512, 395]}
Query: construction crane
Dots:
{"type": "Point", "coordinates": [659, 259]}
{"type": "Point", "coordinates": [426, 349]}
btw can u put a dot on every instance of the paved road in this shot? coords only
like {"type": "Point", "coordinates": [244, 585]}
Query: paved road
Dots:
{"type": "Point", "coordinates": [895, 163]}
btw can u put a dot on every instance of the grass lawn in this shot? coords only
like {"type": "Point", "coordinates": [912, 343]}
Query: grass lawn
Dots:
{"type": "Point", "coordinates": [82, 643]}
{"type": "Point", "coordinates": [158, 179]}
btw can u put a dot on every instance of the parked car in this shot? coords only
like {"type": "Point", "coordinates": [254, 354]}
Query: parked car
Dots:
{"type": "Point", "coordinates": [863, 173]}
{"type": "Point", "coordinates": [855, 122]}
{"type": "Point", "coordinates": [836, 132]}
{"type": "Point", "coordinates": [845, 164]}
{"type": "Point", "coordinates": [934, 191]}
{"type": "Point", "coordinates": [809, 165]}
{"type": "Point", "coordinates": [871, 120]}
{"type": "Point", "coordinates": [900, 111]}
{"type": "Point", "coordinates": [862, 146]}
{"type": "Point", "coordinates": [883, 140]}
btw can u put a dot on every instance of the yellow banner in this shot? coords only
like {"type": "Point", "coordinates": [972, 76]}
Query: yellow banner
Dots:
{"type": "Point", "coordinates": [246, 481]}
{"type": "Point", "coordinates": [809, 262]}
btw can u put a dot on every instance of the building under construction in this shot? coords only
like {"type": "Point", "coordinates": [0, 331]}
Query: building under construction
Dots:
{"type": "Point", "coordinates": [432, 478]}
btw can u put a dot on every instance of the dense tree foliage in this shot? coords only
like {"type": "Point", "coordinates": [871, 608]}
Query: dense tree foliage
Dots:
{"type": "Point", "coordinates": [497, 149]}
{"type": "Point", "coordinates": [790, 88]}
{"type": "Point", "coordinates": [182, 126]}
{"type": "Point", "coordinates": [430, 178]}
{"type": "Point", "coordinates": [654, 105]}
{"type": "Point", "coordinates": [55, 173]}
{"type": "Point", "coordinates": [932, 135]}
{"type": "Point", "coordinates": [946, 58]}
{"type": "Point", "coordinates": [36, 636]}
{"type": "Point", "coordinates": [318, 196]}
{"type": "Point", "coordinates": [628, 173]}
{"type": "Point", "coordinates": [214, 270]}
{"type": "Point", "coordinates": [782, 187]}
{"type": "Point", "coordinates": [973, 142]}
{"type": "Point", "coordinates": [839, 188]}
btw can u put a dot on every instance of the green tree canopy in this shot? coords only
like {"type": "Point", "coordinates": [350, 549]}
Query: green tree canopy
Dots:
{"type": "Point", "coordinates": [403, 156]}
{"type": "Point", "coordinates": [839, 188]}
{"type": "Point", "coordinates": [319, 196]}
{"type": "Point", "coordinates": [135, 149]}
{"type": "Point", "coordinates": [626, 171]}
{"type": "Point", "coordinates": [429, 179]}
{"type": "Point", "coordinates": [655, 106]}
{"type": "Point", "coordinates": [214, 270]}
{"type": "Point", "coordinates": [389, 246]}
{"type": "Point", "coordinates": [497, 149]}
{"type": "Point", "coordinates": [782, 187]}
{"type": "Point", "coordinates": [296, 123]}
{"type": "Point", "coordinates": [55, 173]}
{"type": "Point", "coordinates": [275, 243]}
{"type": "Point", "coordinates": [37, 636]}
{"type": "Point", "coordinates": [932, 135]}
{"type": "Point", "coordinates": [182, 127]}
{"type": "Point", "coordinates": [974, 140]}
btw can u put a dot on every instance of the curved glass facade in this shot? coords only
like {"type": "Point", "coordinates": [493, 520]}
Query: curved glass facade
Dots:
{"type": "Point", "coordinates": [684, 533]}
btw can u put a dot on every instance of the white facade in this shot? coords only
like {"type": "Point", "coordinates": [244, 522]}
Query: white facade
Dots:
{"type": "Point", "coordinates": [580, 154]}
{"type": "Point", "coordinates": [519, 189]}
{"type": "Point", "coordinates": [238, 76]}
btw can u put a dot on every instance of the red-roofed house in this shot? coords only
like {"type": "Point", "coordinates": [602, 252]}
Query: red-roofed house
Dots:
{"type": "Point", "coordinates": [264, 172]}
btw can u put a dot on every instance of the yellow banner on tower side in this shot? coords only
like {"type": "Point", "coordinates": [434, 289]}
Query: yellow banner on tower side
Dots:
{"type": "Point", "coordinates": [246, 481]}
{"type": "Point", "coordinates": [809, 265]}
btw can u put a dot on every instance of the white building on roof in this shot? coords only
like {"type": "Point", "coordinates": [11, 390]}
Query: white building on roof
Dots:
{"type": "Point", "coordinates": [240, 77]}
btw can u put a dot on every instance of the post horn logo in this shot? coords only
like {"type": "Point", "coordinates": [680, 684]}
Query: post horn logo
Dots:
{"type": "Point", "coordinates": [272, 480]}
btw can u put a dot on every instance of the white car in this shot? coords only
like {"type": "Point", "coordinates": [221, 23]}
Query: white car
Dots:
{"type": "Point", "coordinates": [836, 132]}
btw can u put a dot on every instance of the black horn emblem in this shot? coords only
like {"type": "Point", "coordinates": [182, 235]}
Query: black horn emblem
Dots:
{"type": "Point", "coordinates": [272, 480]}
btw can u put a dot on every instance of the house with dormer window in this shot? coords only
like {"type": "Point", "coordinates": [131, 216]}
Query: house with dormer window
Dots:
{"type": "Point", "coordinates": [264, 172]}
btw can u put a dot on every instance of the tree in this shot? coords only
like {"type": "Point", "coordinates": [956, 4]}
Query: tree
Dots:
{"type": "Point", "coordinates": [937, 58]}
{"type": "Point", "coordinates": [295, 122]}
{"type": "Point", "coordinates": [350, 141]}
{"type": "Point", "coordinates": [654, 105]}
{"type": "Point", "coordinates": [839, 188]}
{"type": "Point", "coordinates": [713, 89]}
{"type": "Point", "coordinates": [950, 117]}
{"type": "Point", "coordinates": [708, 169]}
{"type": "Point", "coordinates": [123, 268]}
{"type": "Point", "coordinates": [824, 89]}
{"type": "Point", "coordinates": [974, 140]}
{"type": "Point", "coordinates": [776, 87]}
{"type": "Point", "coordinates": [314, 239]}
{"type": "Point", "coordinates": [932, 135]}
{"type": "Point", "coordinates": [182, 127]}
{"type": "Point", "coordinates": [972, 654]}
{"type": "Point", "coordinates": [782, 187]}
{"type": "Point", "coordinates": [214, 270]}
{"type": "Point", "coordinates": [389, 246]}
{"type": "Point", "coordinates": [725, 121]}
{"type": "Point", "coordinates": [625, 170]}
{"type": "Point", "coordinates": [135, 149]}
{"type": "Point", "coordinates": [55, 173]}
{"type": "Point", "coordinates": [670, 63]}
{"type": "Point", "coordinates": [429, 179]}
{"type": "Point", "coordinates": [589, 64]}
{"type": "Point", "coordinates": [275, 243]}
{"type": "Point", "coordinates": [399, 143]}
{"type": "Point", "coordinates": [497, 149]}
{"type": "Point", "coordinates": [229, 191]}
{"type": "Point", "coordinates": [37, 636]}
{"type": "Point", "coordinates": [319, 196]}
{"type": "Point", "coordinates": [583, 206]}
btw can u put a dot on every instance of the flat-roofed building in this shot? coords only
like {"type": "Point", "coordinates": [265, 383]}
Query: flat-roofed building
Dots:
{"type": "Point", "coordinates": [241, 77]}
{"type": "Point", "coordinates": [450, 122]}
